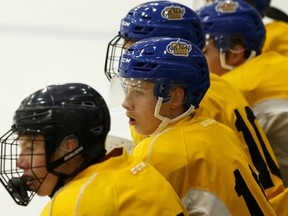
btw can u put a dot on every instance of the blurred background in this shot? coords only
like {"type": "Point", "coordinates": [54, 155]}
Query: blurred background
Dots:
{"type": "Point", "coordinates": [53, 42]}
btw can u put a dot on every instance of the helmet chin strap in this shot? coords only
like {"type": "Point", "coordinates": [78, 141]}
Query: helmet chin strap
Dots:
{"type": "Point", "coordinates": [166, 121]}
{"type": "Point", "coordinates": [229, 67]}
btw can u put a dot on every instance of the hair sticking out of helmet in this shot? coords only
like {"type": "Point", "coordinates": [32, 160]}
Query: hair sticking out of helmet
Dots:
{"type": "Point", "coordinates": [224, 20]}
{"type": "Point", "coordinates": [168, 62]}
{"type": "Point", "coordinates": [153, 19]}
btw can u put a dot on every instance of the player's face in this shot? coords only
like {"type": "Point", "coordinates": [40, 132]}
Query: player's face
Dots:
{"type": "Point", "coordinates": [32, 161]}
{"type": "Point", "coordinates": [140, 104]}
{"type": "Point", "coordinates": [213, 58]}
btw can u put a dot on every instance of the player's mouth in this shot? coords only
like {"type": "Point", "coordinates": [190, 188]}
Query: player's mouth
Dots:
{"type": "Point", "coordinates": [29, 182]}
{"type": "Point", "coordinates": [132, 121]}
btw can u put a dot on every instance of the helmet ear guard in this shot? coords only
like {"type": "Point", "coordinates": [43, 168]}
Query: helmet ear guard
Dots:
{"type": "Point", "coordinates": [162, 88]}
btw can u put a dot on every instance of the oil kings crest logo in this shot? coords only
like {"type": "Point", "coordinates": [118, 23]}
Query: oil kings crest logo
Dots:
{"type": "Point", "coordinates": [227, 7]}
{"type": "Point", "coordinates": [173, 12]}
{"type": "Point", "coordinates": [178, 48]}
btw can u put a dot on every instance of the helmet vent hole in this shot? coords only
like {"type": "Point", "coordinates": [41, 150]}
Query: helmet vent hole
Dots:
{"type": "Point", "coordinates": [97, 130]}
{"type": "Point", "coordinates": [144, 66]}
{"type": "Point", "coordinates": [81, 104]}
{"type": "Point", "coordinates": [142, 30]}
{"type": "Point", "coordinates": [35, 115]}
{"type": "Point", "coordinates": [146, 17]}
{"type": "Point", "coordinates": [162, 88]}
{"type": "Point", "coordinates": [149, 53]}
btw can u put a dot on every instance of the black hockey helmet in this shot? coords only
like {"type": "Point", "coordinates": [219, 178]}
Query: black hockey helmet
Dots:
{"type": "Point", "coordinates": [55, 112]}
{"type": "Point", "coordinates": [58, 111]}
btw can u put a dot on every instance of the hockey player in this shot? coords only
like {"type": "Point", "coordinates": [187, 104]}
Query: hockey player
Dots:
{"type": "Point", "coordinates": [231, 52]}
{"type": "Point", "coordinates": [56, 148]}
{"type": "Point", "coordinates": [164, 80]}
{"type": "Point", "coordinates": [275, 24]}
{"type": "Point", "coordinates": [148, 20]}
{"type": "Point", "coordinates": [235, 35]}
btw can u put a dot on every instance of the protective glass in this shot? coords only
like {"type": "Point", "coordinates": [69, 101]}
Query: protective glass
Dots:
{"type": "Point", "coordinates": [133, 89]}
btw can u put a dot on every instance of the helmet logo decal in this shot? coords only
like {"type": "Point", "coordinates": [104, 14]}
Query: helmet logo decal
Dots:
{"type": "Point", "coordinates": [73, 153]}
{"type": "Point", "coordinates": [178, 48]}
{"type": "Point", "coordinates": [173, 12]}
{"type": "Point", "coordinates": [125, 60]}
{"type": "Point", "coordinates": [227, 7]}
{"type": "Point", "coordinates": [124, 23]}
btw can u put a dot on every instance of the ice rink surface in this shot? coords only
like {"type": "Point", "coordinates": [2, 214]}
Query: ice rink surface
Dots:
{"type": "Point", "coordinates": [53, 42]}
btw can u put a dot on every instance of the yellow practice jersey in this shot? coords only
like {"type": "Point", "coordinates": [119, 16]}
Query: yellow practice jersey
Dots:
{"type": "Point", "coordinates": [120, 185]}
{"type": "Point", "coordinates": [204, 162]}
{"type": "Point", "coordinates": [136, 137]}
{"type": "Point", "coordinates": [276, 37]}
{"type": "Point", "coordinates": [278, 205]}
{"type": "Point", "coordinates": [227, 105]}
{"type": "Point", "coordinates": [261, 78]}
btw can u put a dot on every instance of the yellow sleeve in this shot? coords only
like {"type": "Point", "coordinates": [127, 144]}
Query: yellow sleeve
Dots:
{"type": "Point", "coordinates": [276, 38]}
{"type": "Point", "coordinates": [277, 203]}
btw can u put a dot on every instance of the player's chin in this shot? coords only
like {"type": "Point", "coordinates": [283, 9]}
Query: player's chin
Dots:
{"type": "Point", "coordinates": [43, 191]}
{"type": "Point", "coordinates": [140, 130]}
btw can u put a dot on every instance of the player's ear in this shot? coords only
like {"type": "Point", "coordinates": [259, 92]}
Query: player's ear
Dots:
{"type": "Point", "coordinates": [69, 144]}
{"type": "Point", "coordinates": [177, 96]}
{"type": "Point", "coordinates": [236, 56]}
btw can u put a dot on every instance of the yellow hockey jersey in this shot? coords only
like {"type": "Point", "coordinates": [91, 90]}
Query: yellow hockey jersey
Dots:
{"type": "Point", "coordinates": [276, 38]}
{"type": "Point", "coordinates": [261, 78]}
{"type": "Point", "coordinates": [227, 105]}
{"type": "Point", "coordinates": [120, 185]}
{"type": "Point", "coordinates": [278, 205]}
{"type": "Point", "coordinates": [204, 162]}
{"type": "Point", "coordinates": [136, 137]}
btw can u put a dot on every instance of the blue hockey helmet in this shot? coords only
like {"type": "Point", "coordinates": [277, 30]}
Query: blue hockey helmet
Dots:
{"type": "Point", "coordinates": [224, 20]}
{"type": "Point", "coordinates": [154, 19]}
{"type": "Point", "coordinates": [168, 62]}
{"type": "Point", "coordinates": [261, 5]}
{"type": "Point", "coordinates": [162, 18]}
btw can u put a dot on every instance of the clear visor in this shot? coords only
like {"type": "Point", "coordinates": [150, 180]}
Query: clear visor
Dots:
{"type": "Point", "coordinates": [136, 86]}
{"type": "Point", "coordinates": [131, 89]}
